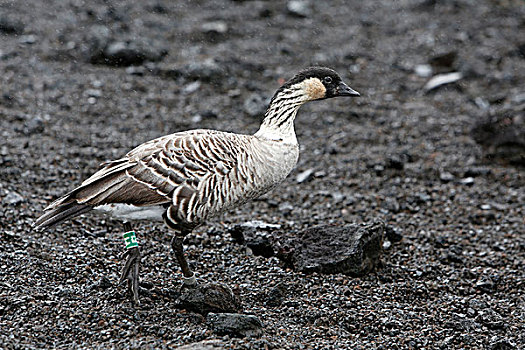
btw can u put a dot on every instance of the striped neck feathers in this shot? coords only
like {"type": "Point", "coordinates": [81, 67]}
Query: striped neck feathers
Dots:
{"type": "Point", "coordinates": [278, 123]}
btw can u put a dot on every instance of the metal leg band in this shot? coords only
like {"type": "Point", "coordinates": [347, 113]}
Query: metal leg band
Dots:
{"type": "Point", "coordinates": [190, 281]}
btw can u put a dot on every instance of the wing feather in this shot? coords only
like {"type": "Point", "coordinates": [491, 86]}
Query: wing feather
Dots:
{"type": "Point", "coordinates": [181, 169]}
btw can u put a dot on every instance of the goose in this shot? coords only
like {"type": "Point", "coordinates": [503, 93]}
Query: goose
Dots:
{"type": "Point", "coordinates": [188, 177]}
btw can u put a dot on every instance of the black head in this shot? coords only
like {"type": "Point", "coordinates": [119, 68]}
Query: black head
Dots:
{"type": "Point", "coordinates": [321, 83]}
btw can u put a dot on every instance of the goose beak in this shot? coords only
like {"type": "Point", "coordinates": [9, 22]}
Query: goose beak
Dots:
{"type": "Point", "coordinates": [344, 90]}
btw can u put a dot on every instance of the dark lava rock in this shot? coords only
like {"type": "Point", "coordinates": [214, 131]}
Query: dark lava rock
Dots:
{"type": "Point", "coordinates": [237, 325]}
{"type": "Point", "coordinates": [261, 247]}
{"type": "Point", "coordinates": [392, 234]}
{"type": "Point", "coordinates": [10, 26]}
{"type": "Point", "coordinates": [127, 53]}
{"type": "Point", "coordinates": [258, 239]}
{"type": "Point", "coordinates": [104, 49]}
{"type": "Point", "coordinates": [8, 100]}
{"type": "Point", "coordinates": [521, 50]}
{"type": "Point", "coordinates": [503, 136]}
{"type": "Point", "coordinates": [104, 283]}
{"type": "Point", "coordinates": [352, 249]}
{"type": "Point", "coordinates": [157, 7]}
{"type": "Point", "coordinates": [276, 295]}
{"type": "Point", "coordinates": [443, 62]}
{"type": "Point", "coordinates": [477, 171]}
{"type": "Point", "coordinates": [396, 162]}
{"type": "Point", "coordinates": [209, 297]}
{"type": "Point", "coordinates": [379, 169]}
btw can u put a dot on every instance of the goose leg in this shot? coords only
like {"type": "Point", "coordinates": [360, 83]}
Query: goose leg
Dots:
{"type": "Point", "coordinates": [178, 249]}
{"type": "Point", "coordinates": [130, 272]}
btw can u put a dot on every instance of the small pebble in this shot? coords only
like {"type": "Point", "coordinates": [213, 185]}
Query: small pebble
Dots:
{"type": "Point", "coordinates": [423, 70]}
{"type": "Point", "coordinates": [469, 181]}
{"type": "Point", "coordinates": [218, 27]}
{"type": "Point", "coordinates": [304, 176]}
{"type": "Point", "coordinates": [446, 177]}
{"type": "Point", "coordinates": [28, 39]}
{"type": "Point", "coordinates": [299, 8]}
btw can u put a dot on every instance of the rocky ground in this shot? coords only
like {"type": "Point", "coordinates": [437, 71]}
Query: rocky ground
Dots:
{"type": "Point", "coordinates": [437, 157]}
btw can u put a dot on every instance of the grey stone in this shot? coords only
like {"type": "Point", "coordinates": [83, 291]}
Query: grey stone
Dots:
{"type": "Point", "coordinates": [236, 325]}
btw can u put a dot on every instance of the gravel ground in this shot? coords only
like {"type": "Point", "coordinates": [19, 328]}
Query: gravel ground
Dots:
{"type": "Point", "coordinates": [400, 154]}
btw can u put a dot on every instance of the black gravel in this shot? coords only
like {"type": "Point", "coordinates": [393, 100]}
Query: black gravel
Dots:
{"type": "Point", "coordinates": [441, 168]}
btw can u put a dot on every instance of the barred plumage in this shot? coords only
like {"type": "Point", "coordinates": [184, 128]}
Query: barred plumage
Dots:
{"type": "Point", "coordinates": [194, 174]}
{"type": "Point", "coordinates": [187, 177]}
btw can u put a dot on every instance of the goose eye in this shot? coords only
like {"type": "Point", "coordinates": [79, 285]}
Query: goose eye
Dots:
{"type": "Point", "coordinates": [327, 80]}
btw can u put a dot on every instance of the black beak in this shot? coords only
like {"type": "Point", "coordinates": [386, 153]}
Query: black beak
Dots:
{"type": "Point", "coordinates": [344, 90]}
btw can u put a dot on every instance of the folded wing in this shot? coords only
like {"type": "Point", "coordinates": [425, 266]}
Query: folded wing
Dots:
{"type": "Point", "coordinates": [162, 171]}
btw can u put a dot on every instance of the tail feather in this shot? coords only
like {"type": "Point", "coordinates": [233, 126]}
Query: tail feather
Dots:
{"type": "Point", "coordinates": [111, 184]}
{"type": "Point", "coordinates": [59, 214]}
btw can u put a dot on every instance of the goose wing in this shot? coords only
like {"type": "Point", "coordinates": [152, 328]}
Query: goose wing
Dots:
{"type": "Point", "coordinates": [165, 170]}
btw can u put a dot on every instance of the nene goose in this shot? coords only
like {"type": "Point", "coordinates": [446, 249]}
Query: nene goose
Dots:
{"type": "Point", "coordinates": [190, 176]}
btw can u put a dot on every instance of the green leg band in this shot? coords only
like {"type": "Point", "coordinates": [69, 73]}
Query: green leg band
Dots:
{"type": "Point", "coordinates": [130, 239]}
